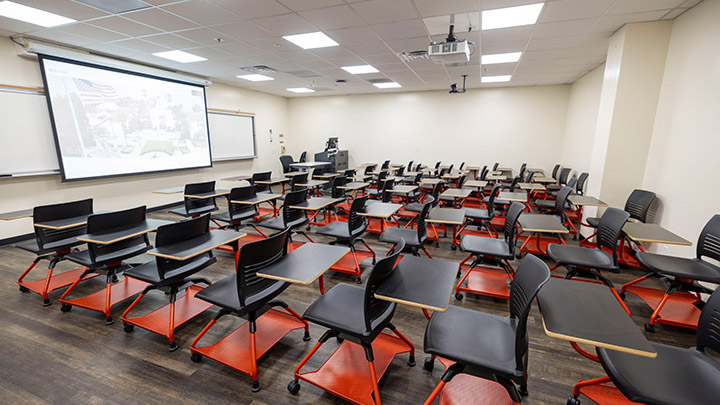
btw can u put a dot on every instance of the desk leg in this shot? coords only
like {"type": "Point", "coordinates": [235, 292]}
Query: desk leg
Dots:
{"type": "Point", "coordinates": [527, 240]}
{"type": "Point", "coordinates": [321, 284]}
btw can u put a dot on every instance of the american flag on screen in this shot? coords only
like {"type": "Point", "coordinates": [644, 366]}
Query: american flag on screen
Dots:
{"type": "Point", "coordinates": [92, 93]}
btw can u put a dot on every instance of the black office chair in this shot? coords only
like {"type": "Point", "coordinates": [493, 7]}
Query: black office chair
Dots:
{"type": "Point", "coordinates": [637, 205]}
{"type": "Point", "coordinates": [559, 206]}
{"type": "Point", "coordinates": [413, 209]}
{"type": "Point", "coordinates": [484, 172]}
{"type": "Point", "coordinates": [295, 182]}
{"type": "Point", "coordinates": [382, 185]}
{"type": "Point", "coordinates": [562, 180]}
{"type": "Point", "coordinates": [261, 176]}
{"type": "Point", "coordinates": [347, 233]}
{"type": "Point", "coordinates": [486, 345]}
{"type": "Point", "coordinates": [108, 259]}
{"type": "Point", "coordinates": [589, 262]}
{"type": "Point", "coordinates": [194, 207]}
{"type": "Point", "coordinates": [237, 213]}
{"type": "Point", "coordinates": [246, 295]}
{"type": "Point", "coordinates": [286, 161]}
{"type": "Point", "coordinates": [682, 275]}
{"type": "Point", "coordinates": [483, 217]}
{"type": "Point", "coordinates": [410, 166]}
{"type": "Point", "coordinates": [385, 165]}
{"type": "Point", "coordinates": [53, 245]}
{"type": "Point", "coordinates": [414, 238]}
{"type": "Point", "coordinates": [555, 171]}
{"type": "Point", "coordinates": [418, 167]}
{"type": "Point", "coordinates": [169, 275]}
{"type": "Point", "coordinates": [677, 375]}
{"type": "Point", "coordinates": [521, 173]}
{"type": "Point", "coordinates": [354, 313]}
{"type": "Point", "coordinates": [580, 184]}
{"type": "Point", "coordinates": [303, 157]}
{"type": "Point", "coordinates": [495, 166]}
{"type": "Point", "coordinates": [449, 200]}
{"type": "Point", "coordinates": [498, 251]}
{"type": "Point", "coordinates": [292, 218]}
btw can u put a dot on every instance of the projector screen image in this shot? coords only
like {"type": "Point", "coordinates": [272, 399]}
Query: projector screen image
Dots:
{"type": "Point", "coordinates": [109, 122]}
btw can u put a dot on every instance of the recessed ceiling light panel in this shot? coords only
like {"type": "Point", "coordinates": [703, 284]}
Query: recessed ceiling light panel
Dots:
{"type": "Point", "coordinates": [359, 69]}
{"type": "Point", "coordinates": [387, 85]}
{"type": "Point", "coordinates": [311, 40]}
{"type": "Point", "coordinates": [500, 58]}
{"type": "Point", "coordinates": [300, 90]}
{"type": "Point", "coordinates": [32, 15]}
{"type": "Point", "coordinates": [255, 78]}
{"type": "Point", "coordinates": [179, 56]}
{"type": "Point", "coordinates": [511, 16]}
{"type": "Point", "coordinates": [496, 79]}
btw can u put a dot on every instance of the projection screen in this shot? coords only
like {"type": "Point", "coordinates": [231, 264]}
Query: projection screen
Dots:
{"type": "Point", "coordinates": [111, 122]}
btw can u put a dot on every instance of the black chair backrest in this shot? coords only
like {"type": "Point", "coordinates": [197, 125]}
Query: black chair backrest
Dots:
{"type": "Point", "coordinates": [178, 232]}
{"type": "Point", "coordinates": [303, 157]}
{"type": "Point", "coordinates": [514, 183]}
{"type": "Point", "coordinates": [564, 174]}
{"type": "Point", "coordinates": [437, 165]}
{"type": "Point", "coordinates": [337, 181]}
{"type": "Point", "coordinates": [511, 219]}
{"type": "Point", "coordinates": [318, 171]}
{"type": "Point", "coordinates": [580, 185]}
{"type": "Point", "coordinates": [709, 241]}
{"type": "Point", "coordinates": [421, 225]}
{"type": "Point", "coordinates": [383, 174]}
{"type": "Point", "coordinates": [462, 164]}
{"type": "Point", "coordinates": [116, 220]}
{"type": "Point", "coordinates": [374, 307]}
{"type": "Point", "coordinates": [418, 167]}
{"type": "Point", "coordinates": [638, 204]}
{"type": "Point", "coordinates": [241, 193]}
{"type": "Point", "coordinates": [260, 176]}
{"type": "Point", "coordinates": [385, 165]}
{"type": "Point", "coordinates": [294, 198]}
{"type": "Point", "coordinates": [400, 171]}
{"type": "Point", "coordinates": [572, 183]}
{"type": "Point", "coordinates": [410, 166]}
{"type": "Point", "coordinates": [609, 229]}
{"type": "Point", "coordinates": [522, 170]}
{"type": "Point", "coordinates": [255, 256]}
{"type": "Point", "coordinates": [296, 180]}
{"type": "Point", "coordinates": [561, 202]}
{"type": "Point", "coordinates": [416, 180]}
{"type": "Point", "coordinates": [484, 172]}
{"type": "Point", "coordinates": [369, 169]}
{"type": "Point", "coordinates": [385, 194]}
{"type": "Point", "coordinates": [708, 329]}
{"type": "Point", "coordinates": [196, 204]}
{"type": "Point", "coordinates": [449, 170]}
{"type": "Point", "coordinates": [530, 276]}
{"type": "Point", "coordinates": [555, 171]}
{"type": "Point", "coordinates": [491, 200]}
{"type": "Point", "coordinates": [461, 180]}
{"type": "Point", "coordinates": [443, 172]}
{"type": "Point", "coordinates": [495, 166]}
{"type": "Point", "coordinates": [349, 173]}
{"type": "Point", "coordinates": [530, 175]}
{"type": "Point", "coordinates": [356, 221]}
{"type": "Point", "coordinates": [437, 189]}
{"type": "Point", "coordinates": [285, 161]}
{"type": "Point", "coordinates": [52, 212]}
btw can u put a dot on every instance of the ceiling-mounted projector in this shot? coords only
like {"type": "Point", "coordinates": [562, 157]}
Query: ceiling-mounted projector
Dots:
{"type": "Point", "coordinates": [450, 52]}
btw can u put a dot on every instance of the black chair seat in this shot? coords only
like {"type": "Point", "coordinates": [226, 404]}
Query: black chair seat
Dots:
{"type": "Point", "coordinates": [394, 234]}
{"type": "Point", "coordinates": [593, 221]}
{"type": "Point", "coordinates": [580, 256]}
{"type": "Point", "coordinates": [414, 207]}
{"type": "Point", "coordinates": [477, 214]}
{"type": "Point", "coordinates": [553, 187]}
{"type": "Point", "coordinates": [51, 247]}
{"type": "Point", "coordinates": [464, 335]}
{"type": "Point", "coordinates": [675, 376]}
{"type": "Point", "coordinates": [486, 246]}
{"type": "Point", "coordinates": [194, 212]}
{"type": "Point", "coordinates": [694, 269]}
{"type": "Point", "coordinates": [447, 199]}
{"type": "Point", "coordinates": [340, 230]}
{"type": "Point", "coordinates": [278, 223]}
{"type": "Point", "coordinates": [340, 309]}
{"type": "Point", "coordinates": [486, 200]}
{"type": "Point", "coordinates": [224, 293]}
{"type": "Point", "coordinates": [225, 216]}
{"type": "Point", "coordinates": [148, 272]}
{"type": "Point", "coordinates": [83, 258]}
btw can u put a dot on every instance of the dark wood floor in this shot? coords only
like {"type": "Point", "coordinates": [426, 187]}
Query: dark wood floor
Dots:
{"type": "Point", "coordinates": [53, 357]}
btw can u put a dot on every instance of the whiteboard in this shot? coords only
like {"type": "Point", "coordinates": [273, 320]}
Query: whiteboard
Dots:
{"type": "Point", "coordinates": [232, 135]}
{"type": "Point", "coordinates": [27, 145]}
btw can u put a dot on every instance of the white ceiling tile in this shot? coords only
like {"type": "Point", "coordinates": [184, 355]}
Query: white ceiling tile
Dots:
{"type": "Point", "coordinates": [285, 24]}
{"type": "Point", "coordinates": [253, 8]}
{"type": "Point", "coordinates": [160, 19]}
{"type": "Point", "coordinates": [275, 44]}
{"type": "Point", "coordinates": [401, 29]}
{"type": "Point", "coordinates": [124, 26]}
{"type": "Point", "coordinates": [639, 6]}
{"type": "Point", "coordinates": [65, 8]}
{"type": "Point", "coordinates": [543, 44]}
{"type": "Point", "coordinates": [172, 41]}
{"type": "Point", "coordinates": [388, 68]}
{"type": "Point", "coordinates": [563, 10]}
{"type": "Point", "coordinates": [247, 31]}
{"type": "Point", "coordinates": [160, 2]}
{"type": "Point", "coordinates": [563, 28]}
{"type": "Point", "coordinates": [690, 3]}
{"type": "Point", "coordinates": [382, 11]}
{"type": "Point", "coordinates": [210, 53]}
{"type": "Point", "coordinates": [94, 33]}
{"type": "Point", "coordinates": [672, 14]}
{"type": "Point", "coordinates": [615, 22]}
{"type": "Point", "coordinates": [429, 8]}
{"type": "Point", "coordinates": [301, 5]}
{"type": "Point", "coordinates": [202, 12]}
{"type": "Point", "coordinates": [316, 63]}
{"type": "Point", "coordinates": [356, 35]}
{"type": "Point", "coordinates": [17, 26]}
{"type": "Point", "coordinates": [489, 47]}
{"type": "Point", "coordinates": [371, 48]}
{"type": "Point", "coordinates": [381, 59]}
{"type": "Point", "coordinates": [409, 44]}
{"type": "Point", "coordinates": [440, 25]}
{"type": "Point", "coordinates": [330, 18]}
{"type": "Point", "coordinates": [140, 46]}
{"type": "Point", "coordinates": [507, 34]}
{"type": "Point", "coordinates": [63, 37]}
{"type": "Point", "coordinates": [203, 36]}
{"type": "Point", "coordinates": [239, 49]}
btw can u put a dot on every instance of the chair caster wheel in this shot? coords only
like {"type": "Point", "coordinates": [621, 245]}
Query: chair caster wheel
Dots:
{"type": "Point", "coordinates": [373, 262]}
{"type": "Point", "coordinates": [109, 320]}
{"type": "Point", "coordinates": [173, 346]}
{"type": "Point", "coordinates": [339, 340]}
{"type": "Point", "coordinates": [518, 256]}
{"type": "Point", "coordinates": [65, 308]}
{"type": "Point", "coordinates": [358, 280]}
{"type": "Point", "coordinates": [649, 328]}
{"type": "Point", "coordinates": [25, 289]}
{"type": "Point", "coordinates": [411, 361]}
{"type": "Point", "coordinates": [429, 364]}
{"type": "Point", "coordinates": [459, 296]}
{"type": "Point", "coordinates": [307, 228]}
{"type": "Point", "coordinates": [622, 296]}
{"type": "Point", "coordinates": [294, 387]}
{"type": "Point", "coordinates": [437, 244]}
{"type": "Point", "coordinates": [573, 401]}
{"type": "Point", "coordinates": [196, 358]}
{"type": "Point", "coordinates": [523, 390]}
{"type": "Point", "coordinates": [128, 327]}
{"type": "Point", "coordinates": [306, 336]}
{"type": "Point", "coordinates": [255, 386]}
{"type": "Point", "coordinates": [46, 302]}
{"type": "Point", "coordinates": [453, 247]}
{"type": "Point", "coordinates": [575, 237]}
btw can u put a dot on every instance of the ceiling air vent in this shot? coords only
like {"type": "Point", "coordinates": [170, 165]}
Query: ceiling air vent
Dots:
{"type": "Point", "coordinates": [303, 73]}
{"type": "Point", "coordinates": [414, 55]}
{"type": "Point", "coordinates": [259, 69]}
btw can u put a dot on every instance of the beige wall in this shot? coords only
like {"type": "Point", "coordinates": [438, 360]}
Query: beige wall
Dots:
{"type": "Point", "coordinates": [683, 165]}
{"type": "Point", "coordinates": [124, 192]}
{"type": "Point", "coordinates": [482, 126]}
